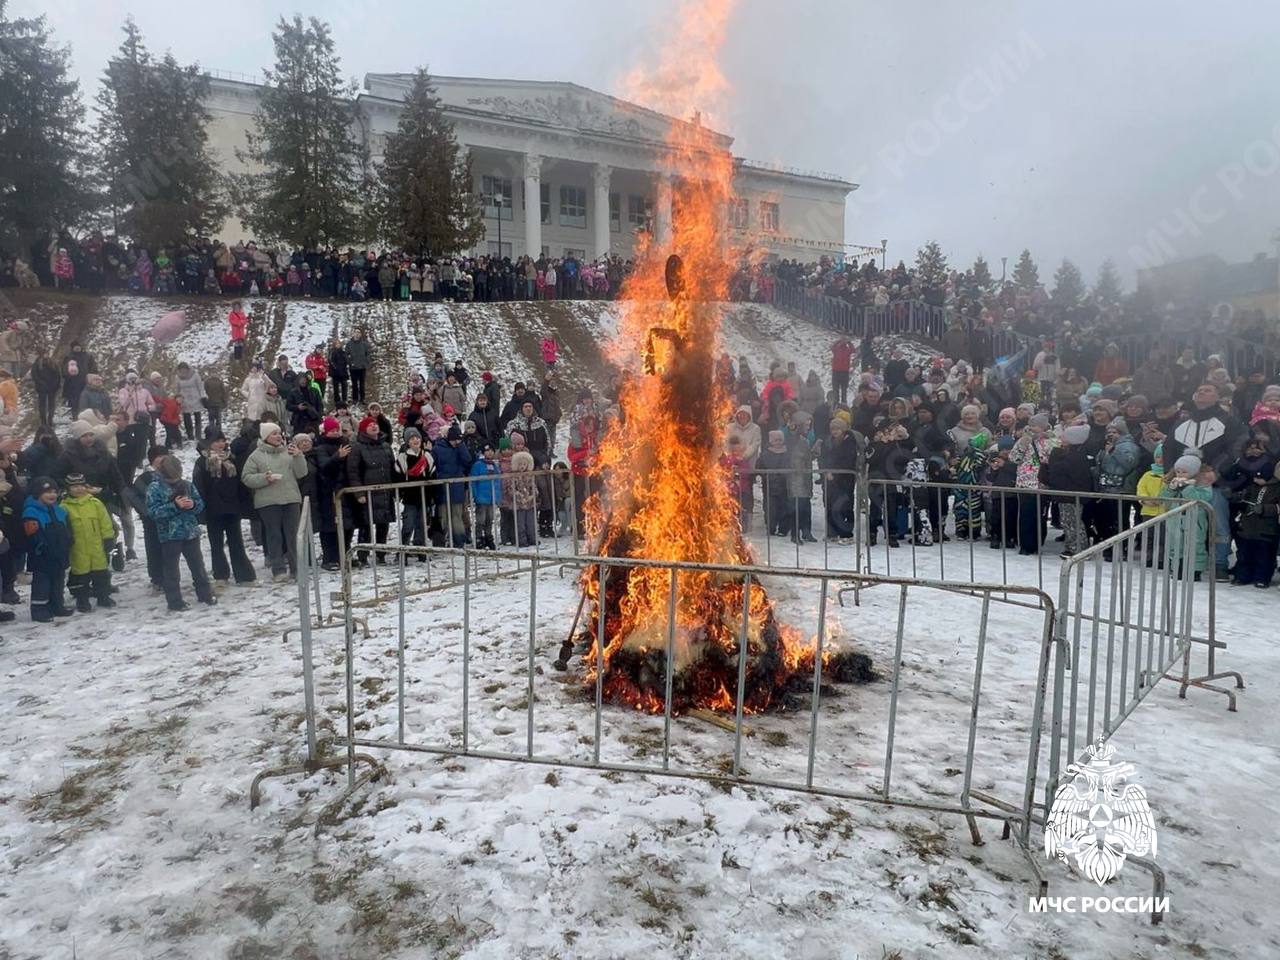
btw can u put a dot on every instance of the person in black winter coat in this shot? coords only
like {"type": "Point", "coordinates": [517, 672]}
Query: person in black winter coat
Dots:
{"type": "Point", "coordinates": [39, 458]}
{"type": "Point", "coordinates": [216, 477]}
{"type": "Point", "coordinates": [485, 417]}
{"type": "Point", "coordinates": [1259, 530]}
{"type": "Point", "coordinates": [1070, 468]}
{"type": "Point", "coordinates": [76, 367]}
{"type": "Point", "coordinates": [839, 452]}
{"type": "Point", "coordinates": [12, 497]}
{"type": "Point", "coordinates": [243, 444]}
{"type": "Point", "coordinates": [46, 378]}
{"type": "Point", "coordinates": [330, 453]}
{"type": "Point", "coordinates": [89, 456]}
{"type": "Point", "coordinates": [519, 396]}
{"type": "Point", "coordinates": [339, 372]}
{"type": "Point", "coordinates": [371, 461]}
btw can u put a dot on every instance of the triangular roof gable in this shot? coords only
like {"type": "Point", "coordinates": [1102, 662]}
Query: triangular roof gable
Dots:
{"type": "Point", "coordinates": [558, 103]}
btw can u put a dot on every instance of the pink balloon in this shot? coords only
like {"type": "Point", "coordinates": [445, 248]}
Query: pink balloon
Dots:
{"type": "Point", "coordinates": [170, 326]}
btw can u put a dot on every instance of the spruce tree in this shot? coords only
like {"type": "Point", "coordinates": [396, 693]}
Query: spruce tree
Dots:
{"type": "Point", "coordinates": [931, 271]}
{"type": "Point", "coordinates": [1068, 285]}
{"type": "Point", "coordinates": [981, 273]}
{"type": "Point", "coordinates": [1025, 273]}
{"type": "Point", "coordinates": [303, 185]}
{"type": "Point", "coordinates": [424, 182]}
{"type": "Point", "coordinates": [42, 184]}
{"type": "Point", "coordinates": [162, 183]}
{"type": "Point", "coordinates": [1108, 288]}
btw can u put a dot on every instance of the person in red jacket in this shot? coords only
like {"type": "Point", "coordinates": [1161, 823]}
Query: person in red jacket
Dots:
{"type": "Point", "coordinates": [584, 448]}
{"type": "Point", "coordinates": [318, 364]}
{"type": "Point", "coordinates": [841, 363]}
{"type": "Point", "coordinates": [239, 323]}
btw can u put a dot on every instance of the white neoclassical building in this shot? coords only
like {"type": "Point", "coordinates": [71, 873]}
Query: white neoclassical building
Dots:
{"type": "Point", "coordinates": [563, 169]}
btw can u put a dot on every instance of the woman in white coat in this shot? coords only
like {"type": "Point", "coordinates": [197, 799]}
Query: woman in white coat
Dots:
{"type": "Point", "coordinates": [255, 392]}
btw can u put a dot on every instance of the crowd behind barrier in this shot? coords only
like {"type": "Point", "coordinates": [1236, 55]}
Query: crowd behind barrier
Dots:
{"type": "Point", "coordinates": [964, 420]}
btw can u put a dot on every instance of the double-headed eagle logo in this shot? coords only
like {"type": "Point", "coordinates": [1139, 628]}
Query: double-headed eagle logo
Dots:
{"type": "Point", "coordinates": [1098, 818]}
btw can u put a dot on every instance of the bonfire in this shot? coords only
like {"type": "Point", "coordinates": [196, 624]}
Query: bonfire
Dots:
{"type": "Point", "coordinates": [666, 493]}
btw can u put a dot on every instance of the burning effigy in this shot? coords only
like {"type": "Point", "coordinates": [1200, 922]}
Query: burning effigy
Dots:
{"type": "Point", "coordinates": [666, 494]}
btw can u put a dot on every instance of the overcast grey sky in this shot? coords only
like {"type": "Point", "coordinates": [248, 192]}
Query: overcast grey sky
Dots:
{"type": "Point", "coordinates": [1141, 130]}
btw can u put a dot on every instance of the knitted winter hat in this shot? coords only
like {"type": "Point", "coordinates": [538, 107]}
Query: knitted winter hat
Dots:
{"type": "Point", "coordinates": [301, 437]}
{"type": "Point", "coordinates": [504, 443]}
{"type": "Point", "coordinates": [1027, 408]}
{"type": "Point", "coordinates": [78, 429]}
{"type": "Point", "coordinates": [980, 440]}
{"type": "Point", "coordinates": [448, 410]}
{"type": "Point", "coordinates": [522, 460]}
{"type": "Point", "coordinates": [412, 432]}
{"type": "Point", "coordinates": [1040, 421]}
{"type": "Point", "coordinates": [1187, 463]}
{"type": "Point", "coordinates": [75, 479]}
{"type": "Point", "coordinates": [1005, 443]}
{"type": "Point", "coordinates": [454, 433]}
{"type": "Point", "coordinates": [486, 376]}
{"type": "Point", "coordinates": [41, 486]}
{"type": "Point", "coordinates": [468, 426]}
{"type": "Point", "coordinates": [265, 430]}
{"type": "Point", "coordinates": [329, 424]}
{"type": "Point", "coordinates": [365, 422]}
{"type": "Point", "coordinates": [1076, 434]}
{"type": "Point", "coordinates": [169, 468]}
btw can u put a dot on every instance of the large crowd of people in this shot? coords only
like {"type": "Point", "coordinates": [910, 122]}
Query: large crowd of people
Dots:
{"type": "Point", "coordinates": [934, 444]}
{"type": "Point", "coordinates": [98, 264]}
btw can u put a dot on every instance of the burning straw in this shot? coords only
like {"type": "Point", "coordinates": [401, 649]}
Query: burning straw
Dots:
{"type": "Point", "coordinates": [666, 494]}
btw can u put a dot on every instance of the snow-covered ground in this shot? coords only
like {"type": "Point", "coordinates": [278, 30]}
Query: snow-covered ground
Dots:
{"type": "Point", "coordinates": [133, 736]}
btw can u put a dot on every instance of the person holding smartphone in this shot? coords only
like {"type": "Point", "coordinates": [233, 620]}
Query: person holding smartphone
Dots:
{"type": "Point", "coordinates": [272, 472]}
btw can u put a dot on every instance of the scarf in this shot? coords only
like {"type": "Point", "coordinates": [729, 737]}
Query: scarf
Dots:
{"type": "Point", "coordinates": [220, 466]}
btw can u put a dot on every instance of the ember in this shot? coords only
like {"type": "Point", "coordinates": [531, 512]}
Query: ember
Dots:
{"type": "Point", "coordinates": [666, 494]}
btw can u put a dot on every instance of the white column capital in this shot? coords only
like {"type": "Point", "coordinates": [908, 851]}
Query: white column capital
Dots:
{"type": "Point", "coordinates": [600, 175]}
{"type": "Point", "coordinates": [532, 166]}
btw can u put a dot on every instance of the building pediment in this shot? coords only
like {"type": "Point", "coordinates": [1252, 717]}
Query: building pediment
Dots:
{"type": "Point", "coordinates": [565, 105]}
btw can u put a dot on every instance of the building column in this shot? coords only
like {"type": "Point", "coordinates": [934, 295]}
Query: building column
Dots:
{"type": "Point", "coordinates": [662, 211]}
{"type": "Point", "coordinates": [533, 205]}
{"type": "Point", "coordinates": [600, 208]}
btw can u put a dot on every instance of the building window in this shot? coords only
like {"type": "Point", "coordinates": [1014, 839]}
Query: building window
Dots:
{"type": "Point", "coordinates": [490, 189]}
{"type": "Point", "coordinates": [738, 214]}
{"type": "Point", "coordinates": [499, 249]}
{"type": "Point", "coordinates": [769, 219]}
{"type": "Point", "coordinates": [544, 192]}
{"type": "Point", "coordinates": [639, 211]}
{"type": "Point", "coordinates": [615, 212]}
{"type": "Point", "coordinates": [573, 206]}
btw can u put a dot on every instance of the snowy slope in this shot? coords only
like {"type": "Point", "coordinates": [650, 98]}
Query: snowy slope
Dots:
{"type": "Point", "coordinates": [126, 831]}
{"type": "Point", "coordinates": [132, 739]}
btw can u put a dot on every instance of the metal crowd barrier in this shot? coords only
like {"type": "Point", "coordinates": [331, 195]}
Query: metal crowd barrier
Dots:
{"type": "Point", "coordinates": [308, 580]}
{"type": "Point", "coordinates": [1106, 659]}
{"type": "Point", "coordinates": [1015, 811]}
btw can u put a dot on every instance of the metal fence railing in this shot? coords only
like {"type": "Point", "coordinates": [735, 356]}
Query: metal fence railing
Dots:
{"type": "Point", "coordinates": [1129, 608]}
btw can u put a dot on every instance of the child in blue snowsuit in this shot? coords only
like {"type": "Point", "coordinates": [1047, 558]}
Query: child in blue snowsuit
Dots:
{"type": "Point", "coordinates": [49, 550]}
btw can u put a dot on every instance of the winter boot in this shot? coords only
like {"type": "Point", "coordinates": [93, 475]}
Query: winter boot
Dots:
{"type": "Point", "coordinates": [83, 604]}
{"type": "Point", "coordinates": [40, 613]}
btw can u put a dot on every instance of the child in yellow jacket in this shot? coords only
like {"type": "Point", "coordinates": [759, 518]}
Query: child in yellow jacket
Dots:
{"type": "Point", "coordinates": [93, 536]}
{"type": "Point", "coordinates": [1151, 483]}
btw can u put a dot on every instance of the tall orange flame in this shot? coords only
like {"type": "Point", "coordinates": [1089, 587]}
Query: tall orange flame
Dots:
{"type": "Point", "coordinates": [666, 495]}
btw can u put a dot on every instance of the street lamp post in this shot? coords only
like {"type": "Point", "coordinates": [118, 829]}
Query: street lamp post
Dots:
{"type": "Point", "coordinates": [498, 199]}
{"type": "Point", "coordinates": [1004, 266]}
{"type": "Point", "coordinates": [884, 245]}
